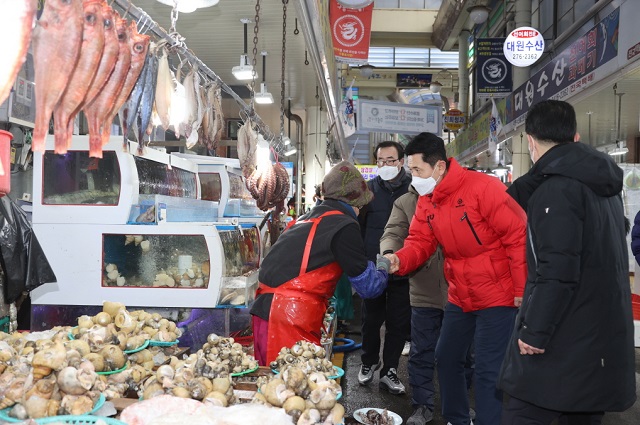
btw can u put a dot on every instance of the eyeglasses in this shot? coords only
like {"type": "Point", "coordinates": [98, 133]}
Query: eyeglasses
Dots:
{"type": "Point", "coordinates": [382, 162]}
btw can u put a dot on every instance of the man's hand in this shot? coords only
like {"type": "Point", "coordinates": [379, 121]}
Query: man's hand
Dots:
{"type": "Point", "coordinates": [528, 349]}
{"type": "Point", "coordinates": [517, 301]}
{"type": "Point", "coordinates": [395, 262]}
{"type": "Point", "coordinates": [383, 263]}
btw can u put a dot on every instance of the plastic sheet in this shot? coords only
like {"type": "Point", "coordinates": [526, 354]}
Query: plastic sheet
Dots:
{"type": "Point", "coordinates": [22, 258]}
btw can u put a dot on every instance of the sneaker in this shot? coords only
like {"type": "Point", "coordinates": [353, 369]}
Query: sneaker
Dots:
{"type": "Point", "coordinates": [407, 348]}
{"type": "Point", "coordinates": [366, 373]}
{"type": "Point", "coordinates": [421, 415]}
{"type": "Point", "coordinates": [391, 383]}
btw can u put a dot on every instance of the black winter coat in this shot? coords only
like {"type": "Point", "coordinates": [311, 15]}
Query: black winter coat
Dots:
{"type": "Point", "coordinates": [577, 300]}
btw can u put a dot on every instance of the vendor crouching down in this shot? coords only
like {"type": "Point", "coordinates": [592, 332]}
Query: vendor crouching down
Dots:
{"type": "Point", "coordinates": [300, 272]}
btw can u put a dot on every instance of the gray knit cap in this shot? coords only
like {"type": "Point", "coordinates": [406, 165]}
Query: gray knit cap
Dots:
{"type": "Point", "coordinates": [345, 183]}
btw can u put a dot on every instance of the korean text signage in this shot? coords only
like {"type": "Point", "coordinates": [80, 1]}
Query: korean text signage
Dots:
{"type": "Point", "coordinates": [570, 70]}
{"type": "Point", "coordinates": [523, 46]}
{"type": "Point", "coordinates": [391, 117]}
{"type": "Point", "coordinates": [351, 32]}
{"type": "Point", "coordinates": [454, 119]}
{"type": "Point", "coordinates": [369, 172]}
{"type": "Point", "coordinates": [493, 72]}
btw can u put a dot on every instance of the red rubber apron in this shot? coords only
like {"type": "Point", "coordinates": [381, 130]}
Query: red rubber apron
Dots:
{"type": "Point", "coordinates": [298, 305]}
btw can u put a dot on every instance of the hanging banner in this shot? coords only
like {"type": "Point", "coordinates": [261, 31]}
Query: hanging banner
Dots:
{"type": "Point", "coordinates": [524, 46]}
{"type": "Point", "coordinates": [351, 31]}
{"type": "Point", "coordinates": [369, 172]}
{"type": "Point", "coordinates": [454, 119]}
{"type": "Point", "coordinates": [493, 73]}
{"type": "Point", "coordinates": [391, 117]}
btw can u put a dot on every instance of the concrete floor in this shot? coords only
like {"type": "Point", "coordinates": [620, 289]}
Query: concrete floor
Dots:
{"type": "Point", "coordinates": [356, 396]}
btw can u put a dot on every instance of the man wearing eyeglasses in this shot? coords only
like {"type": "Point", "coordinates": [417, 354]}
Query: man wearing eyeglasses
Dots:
{"type": "Point", "coordinates": [392, 307]}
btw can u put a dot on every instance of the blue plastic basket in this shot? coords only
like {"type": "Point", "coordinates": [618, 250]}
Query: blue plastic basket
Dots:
{"type": "Point", "coordinates": [339, 372]}
{"type": "Point", "coordinates": [79, 420]}
{"type": "Point", "coordinates": [154, 343]}
{"type": "Point", "coordinates": [142, 347]}
{"type": "Point", "coordinates": [244, 372]}
{"type": "Point", "coordinates": [111, 372]}
{"type": "Point", "coordinates": [4, 415]}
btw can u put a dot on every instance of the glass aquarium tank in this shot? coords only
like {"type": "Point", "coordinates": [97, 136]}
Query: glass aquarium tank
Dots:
{"type": "Point", "coordinates": [76, 179]}
{"type": "Point", "coordinates": [210, 186]}
{"type": "Point", "coordinates": [155, 261]}
{"type": "Point", "coordinates": [156, 178]}
{"type": "Point", "coordinates": [241, 247]}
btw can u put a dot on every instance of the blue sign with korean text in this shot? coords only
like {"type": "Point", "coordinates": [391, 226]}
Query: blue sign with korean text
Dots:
{"type": "Point", "coordinates": [493, 71]}
{"type": "Point", "coordinates": [569, 70]}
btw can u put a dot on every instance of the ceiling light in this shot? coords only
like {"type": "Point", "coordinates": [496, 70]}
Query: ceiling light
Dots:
{"type": "Point", "coordinates": [244, 71]}
{"type": "Point", "coordinates": [479, 14]}
{"type": "Point", "coordinates": [618, 151]}
{"type": "Point", "coordinates": [290, 151]}
{"type": "Point", "coordinates": [263, 97]}
{"type": "Point", "coordinates": [435, 87]}
{"type": "Point", "coordinates": [188, 6]}
{"type": "Point", "coordinates": [366, 70]}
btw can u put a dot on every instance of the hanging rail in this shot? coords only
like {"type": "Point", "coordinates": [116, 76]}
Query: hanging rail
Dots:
{"type": "Point", "coordinates": [146, 21]}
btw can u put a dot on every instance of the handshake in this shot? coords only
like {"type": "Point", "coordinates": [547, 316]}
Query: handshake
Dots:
{"type": "Point", "coordinates": [388, 262]}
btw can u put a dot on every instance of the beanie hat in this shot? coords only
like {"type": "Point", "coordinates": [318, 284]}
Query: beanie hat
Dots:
{"type": "Point", "coordinates": [345, 183]}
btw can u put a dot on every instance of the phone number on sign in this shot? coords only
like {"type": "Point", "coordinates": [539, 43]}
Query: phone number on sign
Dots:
{"type": "Point", "coordinates": [524, 56]}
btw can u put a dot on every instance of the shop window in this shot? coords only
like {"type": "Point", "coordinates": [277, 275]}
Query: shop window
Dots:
{"type": "Point", "coordinates": [160, 261]}
{"type": "Point", "coordinates": [76, 179]}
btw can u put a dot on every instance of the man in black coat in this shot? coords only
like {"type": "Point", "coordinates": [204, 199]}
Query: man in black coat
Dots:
{"type": "Point", "coordinates": [392, 307]}
{"type": "Point", "coordinates": [571, 353]}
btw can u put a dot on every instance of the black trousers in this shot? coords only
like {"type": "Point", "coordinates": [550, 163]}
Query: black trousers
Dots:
{"type": "Point", "coordinates": [393, 309]}
{"type": "Point", "coordinates": [519, 412]}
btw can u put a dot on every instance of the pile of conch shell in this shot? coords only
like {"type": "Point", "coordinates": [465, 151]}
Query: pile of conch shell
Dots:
{"type": "Point", "coordinates": [307, 398]}
{"type": "Point", "coordinates": [307, 356]}
{"type": "Point", "coordinates": [204, 375]}
{"type": "Point", "coordinates": [46, 377]}
{"type": "Point", "coordinates": [123, 329]}
{"type": "Point", "coordinates": [227, 353]}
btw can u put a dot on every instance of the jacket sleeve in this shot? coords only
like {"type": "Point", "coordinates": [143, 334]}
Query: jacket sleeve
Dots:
{"type": "Point", "coordinates": [635, 238]}
{"type": "Point", "coordinates": [509, 221]}
{"type": "Point", "coordinates": [420, 244]}
{"type": "Point", "coordinates": [556, 226]}
{"type": "Point", "coordinates": [396, 230]}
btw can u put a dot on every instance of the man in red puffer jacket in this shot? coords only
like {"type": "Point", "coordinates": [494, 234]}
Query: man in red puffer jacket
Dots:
{"type": "Point", "coordinates": [482, 233]}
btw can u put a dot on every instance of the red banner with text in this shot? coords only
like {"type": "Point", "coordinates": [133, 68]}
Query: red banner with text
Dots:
{"type": "Point", "coordinates": [351, 31]}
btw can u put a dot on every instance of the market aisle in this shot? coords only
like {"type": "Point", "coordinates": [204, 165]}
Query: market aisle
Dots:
{"type": "Point", "coordinates": [357, 397]}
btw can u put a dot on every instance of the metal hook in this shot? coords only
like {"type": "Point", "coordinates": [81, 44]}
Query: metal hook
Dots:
{"type": "Point", "coordinates": [296, 31]}
{"type": "Point", "coordinates": [126, 12]}
{"type": "Point", "coordinates": [306, 60]}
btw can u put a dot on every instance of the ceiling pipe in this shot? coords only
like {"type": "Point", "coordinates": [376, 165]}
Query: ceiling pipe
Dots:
{"type": "Point", "coordinates": [298, 120]}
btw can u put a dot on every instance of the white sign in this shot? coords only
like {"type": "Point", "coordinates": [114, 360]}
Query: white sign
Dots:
{"type": "Point", "coordinates": [391, 117]}
{"type": "Point", "coordinates": [524, 46]}
{"type": "Point", "coordinates": [355, 4]}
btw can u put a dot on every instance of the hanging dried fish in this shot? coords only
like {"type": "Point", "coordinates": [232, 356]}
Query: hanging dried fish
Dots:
{"type": "Point", "coordinates": [201, 109]}
{"type": "Point", "coordinates": [247, 145]}
{"type": "Point", "coordinates": [84, 72]}
{"type": "Point", "coordinates": [98, 110]}
{"type": "Point", "coordinates": [131, 106]}
{"type": "Point", "coordinates": [164, 91]}
{"type": "Point", "coordinates": [56, 45]}
{"type": "Point", "coordinates": [109, 54]}
{"type": "Point", "coordinates": [16, 24]}
{"type": "Point", "coordinates": [191, 105]}
{"type": "Point", "coordinates": [218, 123]}
{"type": "Point", "coordinates": [148, 96]}
{"type": "Point", "coordinates": [139, 46]}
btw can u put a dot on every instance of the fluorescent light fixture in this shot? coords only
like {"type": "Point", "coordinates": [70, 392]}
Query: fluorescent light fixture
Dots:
{"type": "Point", "coordinates": [263, 96]}
{"type": "Point", "coordinates": [291, 151]}
{"type": "Point", "coordinates": [188, 6]}
{"type": "Point", "coordinates": [243, 71]}
{"type": "Point", "coordinates": [618, 151]}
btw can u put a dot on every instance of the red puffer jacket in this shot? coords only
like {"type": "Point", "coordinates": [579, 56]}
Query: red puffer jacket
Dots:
{"type": "Point", "coordinates": [482, 231]}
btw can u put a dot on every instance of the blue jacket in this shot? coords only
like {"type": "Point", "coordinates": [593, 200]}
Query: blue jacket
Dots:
{"type": "Point", "coordinates": [635, 238]}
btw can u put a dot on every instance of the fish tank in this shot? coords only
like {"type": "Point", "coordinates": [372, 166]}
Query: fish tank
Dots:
{"type": "Point", "coordinates": [76, 179]}
{"type": "Point", "coordinates": [155, 261]}
{"type": "Point", "coordinates": [241, 248]}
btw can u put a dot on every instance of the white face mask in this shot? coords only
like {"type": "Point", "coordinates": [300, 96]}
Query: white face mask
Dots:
{"type": "Point", "coordinates": [388, 172]}
{"type": "Point", "coordinates": [424, 186]}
